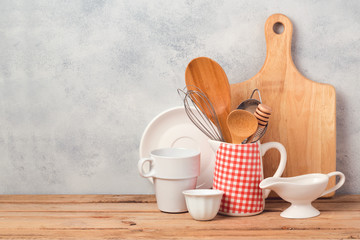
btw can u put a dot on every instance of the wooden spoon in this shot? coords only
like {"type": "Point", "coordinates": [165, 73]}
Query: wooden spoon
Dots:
{"type": "Point", "coordinates": [206, 75]}
{"type": "Point", "coordinates": [242, 124]}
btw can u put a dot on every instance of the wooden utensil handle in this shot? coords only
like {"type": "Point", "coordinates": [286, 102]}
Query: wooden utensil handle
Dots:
{"type": "Point", "coordinates": [224, 128]}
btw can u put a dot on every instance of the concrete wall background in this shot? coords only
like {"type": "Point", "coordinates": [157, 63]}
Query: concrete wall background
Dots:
{"type": "Point", "coordinates": [80, 80]}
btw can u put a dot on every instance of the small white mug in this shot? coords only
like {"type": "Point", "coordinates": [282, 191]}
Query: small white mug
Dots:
{"type": "Point", "coordinates": [173, 171]}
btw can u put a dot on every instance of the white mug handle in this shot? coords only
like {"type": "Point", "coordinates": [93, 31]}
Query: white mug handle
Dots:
{"type": "Point", "coordinates": [141, 163]}
{"type": "Point", "coordinates": [283, 156]}
{"type": "Point", "coordinates": [338, 185]}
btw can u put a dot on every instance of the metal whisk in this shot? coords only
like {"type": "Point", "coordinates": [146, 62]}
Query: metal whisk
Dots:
{"type": "Point", "coordinates": [201, 112]}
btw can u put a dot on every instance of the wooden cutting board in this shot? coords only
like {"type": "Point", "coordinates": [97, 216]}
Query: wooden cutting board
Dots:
{"type": "Point", "coordinates": [304, 111]}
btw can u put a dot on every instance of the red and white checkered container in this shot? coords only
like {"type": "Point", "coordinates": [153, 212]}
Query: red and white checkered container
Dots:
{"type": "Point", "coordinates": [238, 172]}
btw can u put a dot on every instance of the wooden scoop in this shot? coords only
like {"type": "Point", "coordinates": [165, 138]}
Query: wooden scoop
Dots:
{"type": "Point", "coordinates": [208, 76]}
{"type": "Point", "coordinates": [242, 124]}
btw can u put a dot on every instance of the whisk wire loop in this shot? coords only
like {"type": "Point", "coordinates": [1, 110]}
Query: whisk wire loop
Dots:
{"type": "Point", "coordinates": [201, 112]}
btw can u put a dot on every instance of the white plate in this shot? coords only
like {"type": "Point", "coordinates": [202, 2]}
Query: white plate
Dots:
{"type": "Point", "coordinates": [173, 128]}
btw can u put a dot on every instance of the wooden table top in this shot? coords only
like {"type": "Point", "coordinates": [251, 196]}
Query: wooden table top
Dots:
{"type": "Point", "coordinates": [137, 216]}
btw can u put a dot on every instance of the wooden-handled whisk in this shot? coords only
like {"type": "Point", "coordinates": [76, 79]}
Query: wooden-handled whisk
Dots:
{"type": "Point", "coordinates": [262, 114]}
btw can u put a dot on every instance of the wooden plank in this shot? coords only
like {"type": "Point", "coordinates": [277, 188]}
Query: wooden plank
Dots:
{"type": "Point", "coordinates": [148, 215]}
{"type": "Point", "coordinates": [34, 217]}
{"type": "Point", "coordinates": [152, 207]}
{"type": "Point", "coordinates": [79, 207]}
{"type": "Point", "coordinates": [327, 218]}
{"type": "Point", "coordinates": [108, 220]}
{"type": "Point", "coordinates": [264, 221]}
{"type": "Point", "coordinates": [168, 234]}
{"type": "Point", "coordinates": [9, 207]}
{"type": "Point", "coordinates": [141, 198]}
{"type": "Point", "coordinates": [94, 198]}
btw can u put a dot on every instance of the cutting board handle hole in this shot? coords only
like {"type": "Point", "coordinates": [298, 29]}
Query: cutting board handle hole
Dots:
{"type": "Point", "coordinates": [278, 28]}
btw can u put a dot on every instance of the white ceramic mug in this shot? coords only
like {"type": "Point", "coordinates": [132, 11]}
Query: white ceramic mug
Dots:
{"type": "Point", "coordinates": [173, 171]}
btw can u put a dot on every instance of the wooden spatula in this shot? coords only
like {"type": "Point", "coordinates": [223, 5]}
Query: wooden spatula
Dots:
{"type": "Point", "coordinates": [206, 75]}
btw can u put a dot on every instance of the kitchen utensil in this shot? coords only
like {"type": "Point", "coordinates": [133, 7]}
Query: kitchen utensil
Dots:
{"type": "Point", "coordinates": [262, 114]}
{"type": "Point", "coordinates": [242, 124]}
{"type": "Point", "coordinates": [197, 100]}
{"type": "Point", "coordinates": [208, 76]}
{"type": "Point", "coordinates": [203, 204]}
{"type": "Point", "coordinates": [300, 191]}
{"type": "Point", "coordinates": [172, 128]}
{"type": "Point", "coordinates": [238, 172]}
{"type": "Point", "coordinates": [173, 170]}
{"type": "Point", "coordinates": [305, 119]}
{"type": "Point", "coordinates": [251, 104]}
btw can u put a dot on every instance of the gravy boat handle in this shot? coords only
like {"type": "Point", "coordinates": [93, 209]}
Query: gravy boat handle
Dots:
{"type": "Point", "coordinates": [338, 185]}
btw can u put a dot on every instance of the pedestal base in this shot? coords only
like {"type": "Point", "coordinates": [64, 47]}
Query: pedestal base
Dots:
{"type": "Point", "coordinates": [300, 211]}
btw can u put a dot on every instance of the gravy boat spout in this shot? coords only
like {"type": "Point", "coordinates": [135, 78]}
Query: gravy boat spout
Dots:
{"type": "Point", "coordinates": [300, 191]}
{"type": "Point", "coordinates": [272, 183]}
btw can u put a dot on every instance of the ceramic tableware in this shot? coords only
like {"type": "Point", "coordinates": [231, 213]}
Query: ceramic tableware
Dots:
{"type": "Point", "coordinates": [203, 204]}
{"type": "Point", "coordinates": [173, 170]}
{"type": "Point", "coordinates": [238, 172]}
{"type": "Point", "coordinates": [300, 191]}
{"type": "Point", "coordinates": [172, 128]}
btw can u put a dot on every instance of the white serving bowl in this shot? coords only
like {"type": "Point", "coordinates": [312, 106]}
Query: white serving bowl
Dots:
{"type": "Point", "coordinates": [203, 204]}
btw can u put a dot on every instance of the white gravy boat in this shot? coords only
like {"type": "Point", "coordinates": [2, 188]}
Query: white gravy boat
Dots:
{"type": "Point", "coordinates": [300, 191]}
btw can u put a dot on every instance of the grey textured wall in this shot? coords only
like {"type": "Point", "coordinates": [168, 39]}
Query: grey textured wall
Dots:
{"type": "Point", "coordinates": [80, 80]}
